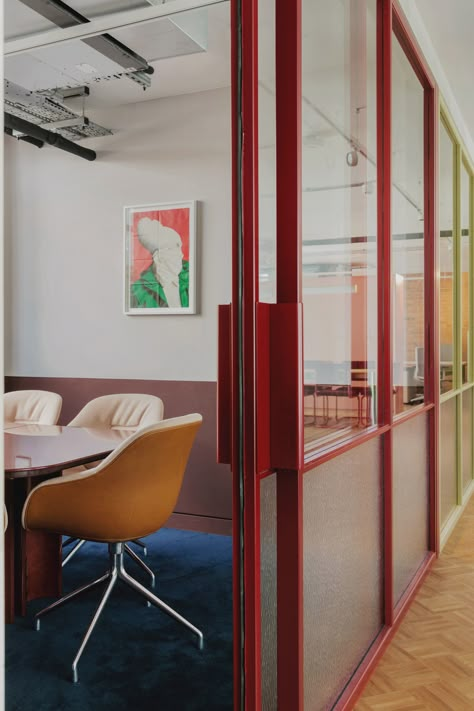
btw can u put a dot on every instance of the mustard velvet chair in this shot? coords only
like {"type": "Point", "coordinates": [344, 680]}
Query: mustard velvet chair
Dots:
{"type": "Point", "coordinates": [39, 407]}
{"type": "Point", "coordinates": [120, 414]}
{"type": "Point", "coordinates": [130, 494]}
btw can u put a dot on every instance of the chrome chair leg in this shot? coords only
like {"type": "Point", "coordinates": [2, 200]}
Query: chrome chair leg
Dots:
{"type": "Point", "coordinates": [69, 540]}
{"type": "Point", "coordinates": [66, 598]}
{"type": "Point", "coordinates": [72, 553]}
{"type": "Point", "coordinates": [140, 562]}
{"type": "Point", "coordinates": [112, 580]}
{"type": "Point", "coordinates": [140, 543]}
{"type": "Point", "coordinates": [123, 575]}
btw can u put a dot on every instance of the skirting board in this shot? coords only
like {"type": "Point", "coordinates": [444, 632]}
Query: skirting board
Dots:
{"type": "Point", "coordinates": [203, 524]}
{"type": "Point", "coordinates": [450, 524]}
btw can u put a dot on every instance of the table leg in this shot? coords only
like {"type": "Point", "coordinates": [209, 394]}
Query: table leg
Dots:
{"type": "Point", "coordinates": [34, 567]}
{"type": "Point", "coordinates": [9, 543]}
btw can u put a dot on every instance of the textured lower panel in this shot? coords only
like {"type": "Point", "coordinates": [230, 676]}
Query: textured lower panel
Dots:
{"type": "Point", "coordinates": [466, 438]}
{"type": "Point", "coordinates": [410, 501]}
{"type": "Point", "coordinates": [268, 587]}
{"type": "Point", "coordinates": [447, 460]}
{"type": "Point", "coordinates": [343, 558]}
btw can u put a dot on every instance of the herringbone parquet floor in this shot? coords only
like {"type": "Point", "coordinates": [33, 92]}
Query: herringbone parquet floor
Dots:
{"type": "Point", "coordinates": [429, 664]}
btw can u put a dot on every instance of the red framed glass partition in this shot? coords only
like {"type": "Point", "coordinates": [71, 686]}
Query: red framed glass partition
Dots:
{"type": "Point", "coordinates": [303, 519]}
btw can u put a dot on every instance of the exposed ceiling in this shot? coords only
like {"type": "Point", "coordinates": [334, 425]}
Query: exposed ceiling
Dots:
{"type": "Point", "coordinates": [450, 25]}
{"type": "Point", "coordinates": [166, 44]}
{"type": "Point", "coordinates": [186, 53]}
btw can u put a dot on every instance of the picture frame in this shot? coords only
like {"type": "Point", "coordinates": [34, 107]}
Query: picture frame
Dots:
{"type": "Point", "coordinates": [160, 259]}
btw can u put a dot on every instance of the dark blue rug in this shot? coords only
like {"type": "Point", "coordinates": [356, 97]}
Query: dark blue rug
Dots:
{"type": "Point", "coordinates": [138, 657]}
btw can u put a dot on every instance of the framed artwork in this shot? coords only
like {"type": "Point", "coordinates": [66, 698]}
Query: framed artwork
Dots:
{"type": "Point", "coordinates": [160, 259]}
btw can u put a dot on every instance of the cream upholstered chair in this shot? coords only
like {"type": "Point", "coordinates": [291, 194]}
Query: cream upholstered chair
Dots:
{"type": "Point", "coordinates": [121, 414]}
{"type": "Point", "coordinates": [39, 407]}
{"type": "Point", "coordinates": [128, 495]}
{"type": "Point", "coordinates": [127, 411]}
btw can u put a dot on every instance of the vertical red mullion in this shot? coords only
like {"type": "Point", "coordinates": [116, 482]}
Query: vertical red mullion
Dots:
{"type": "Point", "coordinates": [235, 417]}
{"type": "Point", "coordinates": [384, 276]}
{"type": "Point", "coordinates": [289, 483]}
{"type": "Point", "coordinates": [431, 302]}
{"type": "Point", "coordinates": [288, 141]}
{"type": "Point", "coordinates": [245, 269]}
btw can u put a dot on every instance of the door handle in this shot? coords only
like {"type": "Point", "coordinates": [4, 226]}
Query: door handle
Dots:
{"type": "Point", "coordinates": [224, 385]}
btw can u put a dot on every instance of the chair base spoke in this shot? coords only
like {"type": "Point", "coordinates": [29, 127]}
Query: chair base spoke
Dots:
{"type": "Point", "coordinates": [72, 552]}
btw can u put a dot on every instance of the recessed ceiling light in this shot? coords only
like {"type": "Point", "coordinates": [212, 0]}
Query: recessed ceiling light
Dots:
{"type": "Point", "coordinates": [87, 68]}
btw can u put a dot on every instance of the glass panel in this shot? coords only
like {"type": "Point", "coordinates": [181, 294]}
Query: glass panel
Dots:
{"type": "Point", "coordinates": [268, 587]}
{"type": "Point", "coordinates": [342, 569]}
{"type": "Point", "coordinates": [465, 259]}
{"type": "Point", "coordinates": [339, 204]}
{"type": "Point", "coordinates": [447, 464]}
{"type": "Point", "coordinates": [446, 256]}
{"type": "Point", "coordinates": [410, 501]}
{"type": "Point", "coordinates": [467, 438]}
{"type": "Point", "coordinates": [267, 151]}
{"type": "Point", "coordinates": [408, 280]}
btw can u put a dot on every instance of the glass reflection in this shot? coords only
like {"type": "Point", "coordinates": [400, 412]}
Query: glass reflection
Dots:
{"type": "Point", "coordinates": [408, 277]}
{"type": "Point", "coordinates": [465, 271]}
{"type": "Point", "coordinates": [339, 209]}
{"type": "Point", "coordinates": [446, 256]}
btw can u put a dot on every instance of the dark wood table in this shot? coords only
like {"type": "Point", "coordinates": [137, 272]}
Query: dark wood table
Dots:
{"type": "Point", "coordinates": [34, 453]}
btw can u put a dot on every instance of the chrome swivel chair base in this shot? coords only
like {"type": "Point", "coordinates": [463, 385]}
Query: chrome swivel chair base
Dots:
{"type": "Point", "coordinates": [128, 550]}
{"type": "Point", "coordinates": [116, 572]}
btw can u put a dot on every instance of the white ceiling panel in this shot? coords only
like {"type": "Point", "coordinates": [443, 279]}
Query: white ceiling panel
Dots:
{"type": "Point", "coordinates": [68, 65]}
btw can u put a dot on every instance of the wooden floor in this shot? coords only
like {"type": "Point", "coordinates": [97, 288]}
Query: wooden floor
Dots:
{"type": "Point", "coordinates": [430, 662]}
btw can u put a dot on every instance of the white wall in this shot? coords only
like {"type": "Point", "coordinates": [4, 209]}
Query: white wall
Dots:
{"type": "Point", "coordinates": [64, 244]}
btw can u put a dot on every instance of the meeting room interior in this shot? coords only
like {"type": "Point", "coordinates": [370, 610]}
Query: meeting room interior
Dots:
{"type": "Point", "coordinates": [117, 150]}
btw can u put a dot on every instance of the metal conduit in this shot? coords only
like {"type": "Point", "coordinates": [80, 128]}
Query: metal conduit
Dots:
{"type": "Point", "coordinates": [14, 123]}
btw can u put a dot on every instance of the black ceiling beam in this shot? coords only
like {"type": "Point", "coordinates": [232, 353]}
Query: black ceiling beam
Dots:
{"type": "Point", "coordinates": [14, 123]}
{"type": "Point", "coordinates": [64, 16]}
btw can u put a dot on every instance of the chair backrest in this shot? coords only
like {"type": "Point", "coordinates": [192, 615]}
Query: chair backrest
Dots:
{"type": "Point", "coordinates": [419, 363]}
{"type": "Point", "coordinates": [124, 411]}
{"type": "Point", "coordinates": [446, 352]}
{"type": "Point", "coordinates": [32, 406]}
{"type": "Point", "coordinates": [129, 495]}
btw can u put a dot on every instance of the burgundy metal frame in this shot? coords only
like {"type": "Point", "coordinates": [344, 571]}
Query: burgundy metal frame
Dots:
{"type": "Point", "coordinates": [245, 273]}
{"type": "Point", "coordinates": [255, 372]}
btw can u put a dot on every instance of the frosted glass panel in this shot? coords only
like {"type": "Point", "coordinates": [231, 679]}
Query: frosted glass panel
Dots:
{"type": "Point", "coordinates": [410, 501]}
{"type": "Point", "coordinates": [447, 463]}
{"type": "Point", "coordinates": [342, 569]}
{"type": "Point", "coordinates": [467, 438]}
{"type": "Point", "coordinates": [268, 588]}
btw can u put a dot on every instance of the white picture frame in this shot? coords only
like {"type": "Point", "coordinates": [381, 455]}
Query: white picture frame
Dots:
{"type": "Point", "coordinates": [154, 235]}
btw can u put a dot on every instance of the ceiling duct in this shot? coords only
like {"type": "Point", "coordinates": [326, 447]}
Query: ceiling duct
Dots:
{"type": "Point", "coordinates": [13, 123]}
{"type": "Point", "coordinates": [64, 16]}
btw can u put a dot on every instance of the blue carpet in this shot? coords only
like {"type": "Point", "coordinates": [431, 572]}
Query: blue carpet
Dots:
{"type": "Point", "coordinates": [137, 657]}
